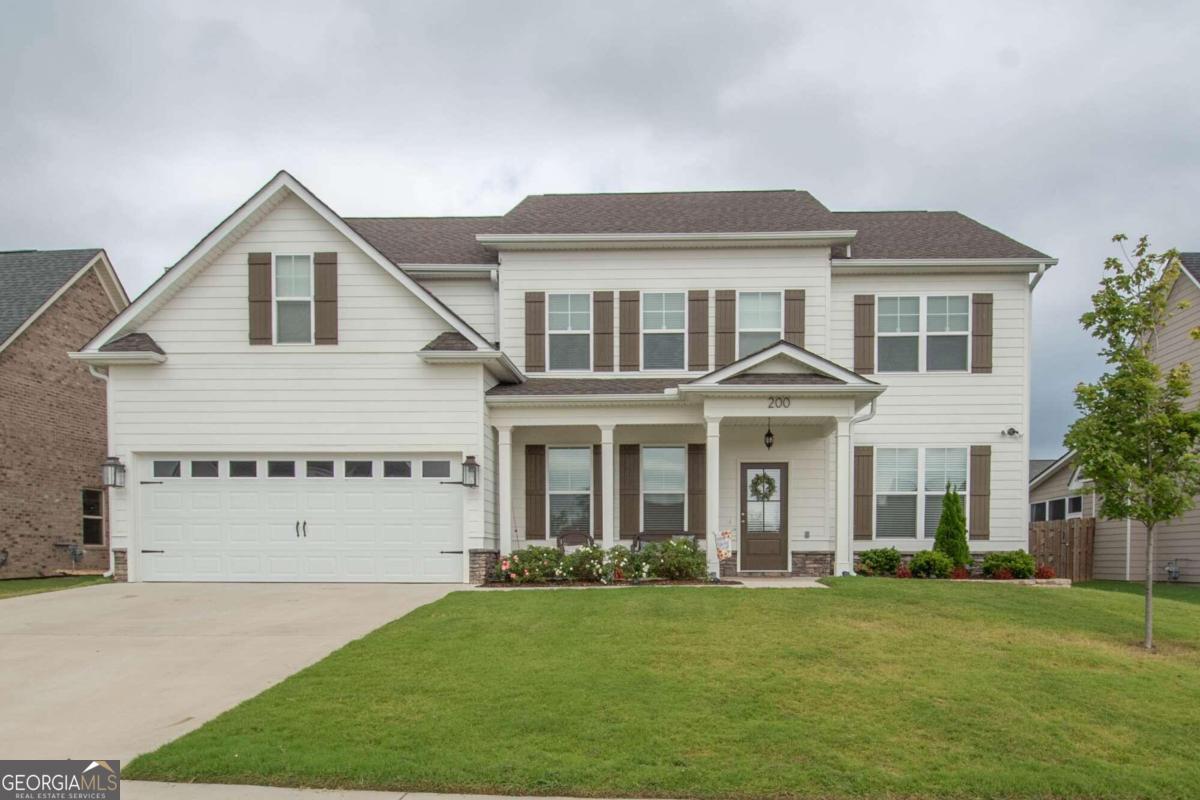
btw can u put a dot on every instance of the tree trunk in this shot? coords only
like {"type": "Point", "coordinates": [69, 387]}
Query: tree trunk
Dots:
{"type": "Point", "coordinates": [1149, 643]}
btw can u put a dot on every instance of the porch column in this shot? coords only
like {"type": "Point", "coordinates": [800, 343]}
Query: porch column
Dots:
{"type": "Point", "coordinates": [504, 488]}
{"type": "Point", "coordinates": [843, 550]}
{"type": "Point", "coordinates": [712, 492]}
{"type": "Point", "coordinates": [608, 487]}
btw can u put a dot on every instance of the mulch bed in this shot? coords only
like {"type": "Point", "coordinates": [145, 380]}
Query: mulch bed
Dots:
{"type": "Point", "coordinates": [595, 585]}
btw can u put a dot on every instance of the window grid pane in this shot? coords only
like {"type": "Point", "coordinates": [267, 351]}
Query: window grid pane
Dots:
{"type": "Point", "coordinates": [293, 276]}
{"type": "Point", "coordinates": [760, 311]}
{"type": "Point", "coordinates": [947, 314]}
{"type": "Point", "coordinates": [946, 353]}
{"type": "Point", "coordinates": [895, 469]}
{"type": "Point", "coordinates": [662, 513]}
{"type": "Point", "coordinates": [663, 350]}
{"type": "Point", "coordinates": [899, 314]}
{"type": "Point", "coordinates": [945, 465]}
{"type": "Point", "coordinates": [435, 469]}
{"type": "Point", "coordinates": [570, 513]}
{"type": "Point", "coordinates": [663, 470]}
{"type": "Point", "coordinates": [293, 322]}
{"type": "Point", "coordinates": [899, 354]}
{"type": "Point", "coordinates": [662, 311]}
{"type": "Point", "coordinates": [570, 351]}
{"type": "Point", "coordinates": [896, 516]}
{"type": "Point", "coordinates": [570, 312]}
{"type": "Point", "coordinates": [570, 469]}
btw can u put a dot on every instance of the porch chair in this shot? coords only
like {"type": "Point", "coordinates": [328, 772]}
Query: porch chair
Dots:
{"type": "Point", "coordinates": [571, 541]}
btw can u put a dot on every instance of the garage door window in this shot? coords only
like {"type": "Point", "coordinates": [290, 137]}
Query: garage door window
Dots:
{"type": "Point", "coordinates": [243, 469]}
{"type": "Point", "coordinates": [166, 469]}
{"type": "Point", "coordinates": [281, 469]}
{"type": "Point", "coordinates": [359, 469]}
{"type": "Point", "coordinates": [205, 469]}
{"type": "Point", "coordinates": [318, 469]}
{"type": "Point", "coordinates": [435, 469]}
{"type": "Point", "coordinates": [397, 469]}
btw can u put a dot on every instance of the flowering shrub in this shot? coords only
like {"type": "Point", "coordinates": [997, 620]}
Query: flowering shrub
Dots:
{"type": "Point", "coordinates": [676, 560]}
{"type": "Point", "coordinates": [625, 565]}
{"type": "Point", "coordinates": [531, 565]}
{"type": "Point", "coordinates": [931, 564]}
{"type": "Point", "coordinates": [1017, 563]}
{"type": "Point", "coordinates": [903, 571]}
{"type": "Point", "coordinates": [880, 561]}
{"type": "Point", "coordinates": [1044, 572]}
{"type": "Point", "coordinates": [960, 573]}
{"type": "Point", "coordinates": [586, 564]}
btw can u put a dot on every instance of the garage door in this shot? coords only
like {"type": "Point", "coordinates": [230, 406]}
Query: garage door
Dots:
{"type": "Point", "coordinates": [302, 518]}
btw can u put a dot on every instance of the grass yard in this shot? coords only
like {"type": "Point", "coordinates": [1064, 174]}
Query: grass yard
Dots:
{"type": "Point", "coordinates": [874, 688]}
{"type": "Point", "coordinates": [1183, 592]}
{"type": "Point", "coordinates": [21, 586]}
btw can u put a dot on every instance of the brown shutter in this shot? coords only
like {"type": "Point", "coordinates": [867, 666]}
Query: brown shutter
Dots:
{"type": "Point", "coordinates": [631, 485]}
{"type": "Point", "coordinates": [597, 491]}
{"type": "Point", "coordinates": [535, 491]}
{"type": "Point", "coordinates": [864, 491]}
{"type": "Point", "coordinates": [981, 333]}
{"type": "Point", "coordinates": [325, 274]}
{"type": "Point", "coordinates": [726, 327]}
{"type": "Point", "coordinates": [793, 317]}
{"type": "Point", "coordinates": [535, 331]}
{"type": "Point", "coordinates": [631, 326]}
{"type": "Point", "coordinates": [979, 517]}
{"type": "Point", "coordinates": [260, 298]}
{"type": "Point", "coordinates": [698, 329]}
{"type": "Point", "coordinates": [602, 331]}
{"type": "Point", "coordinates": [864, 333]}
{"type": "Point", "coordinates": [697, 464]}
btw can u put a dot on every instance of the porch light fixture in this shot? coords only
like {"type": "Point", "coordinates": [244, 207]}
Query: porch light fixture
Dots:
{"type": "Point", "coordinates": [113, 472]}
{"type": "Point", "coordinates": [768, 437]}
{"type": "Point", "coordinates": [470, 472]}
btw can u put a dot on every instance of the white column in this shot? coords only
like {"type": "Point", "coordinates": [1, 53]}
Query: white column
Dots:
{"type": "Point", "coordinates": [504, 522]}
{"type": "Point", "coordinates": [608, 490]}
{"type": "Point", "coordinates": [712, 491]}
{"type": "Point", "coordinates": [843, 549]}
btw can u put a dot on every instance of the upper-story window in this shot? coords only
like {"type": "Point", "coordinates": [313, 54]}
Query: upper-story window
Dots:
{"type": "Point", "coordinates": [933, 341]}
{"type": "Point", "coordinates": [663, 325]}
{"type": "Point", "coordinates": [293, 300]}
{"type": "Point", "coordinates": [570, 331]}
{"type": "Point", "coordinates": [760, 321]}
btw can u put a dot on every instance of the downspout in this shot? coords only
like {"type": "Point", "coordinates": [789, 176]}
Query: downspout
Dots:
{"type": "Point", "coordinates": [1037, 278]}
{"type": "Point", "coordinates": [112, 561]}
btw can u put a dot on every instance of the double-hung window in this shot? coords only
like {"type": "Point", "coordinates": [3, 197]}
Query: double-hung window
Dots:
{"type": "Point", "coordinates": [664, 489]}
{"type": "Point", "coordinates": [896, 492]}
{"type": "Point", "coordinates": [93, 516]}
{"type": "Point", "coordinates": [569, 318]}
{"type": "Point", "coordinates": [293, 300]}
{"type": "Point", "coordinates": [569, 489]}
{"type": "Point", "coordinates": [663, 325]}
{"type": "Point", "coordinates": [760, 321]}
{"type": "Point", "coordinates": [930, 334]}
{"type": "Point", "coordinates": [944, 467]}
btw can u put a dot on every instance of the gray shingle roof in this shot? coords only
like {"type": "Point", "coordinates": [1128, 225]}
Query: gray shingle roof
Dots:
{"type": "Point", "coordinates": [780, 379]}
{"type": "Point", "coordinates": [29, 277]}
{"type": "Point", "coordinates": [881, 234]}
{"type": "Point", "coordinates": [1039, 465]}
{"type": "Point", "coordinates": [132, 343]}
{"type": "Point", "coordinates": [450, 340]}
{"type": "Point", "coordinates": [1191, 262]}
{"type": "Point", "coordinates": [584, 386]}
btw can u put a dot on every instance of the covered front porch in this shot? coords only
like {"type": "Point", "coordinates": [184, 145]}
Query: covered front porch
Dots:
{"type": "Point", "coordinates": [756, 466]}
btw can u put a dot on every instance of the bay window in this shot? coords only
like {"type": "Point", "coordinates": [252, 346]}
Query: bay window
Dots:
{"type": "Point", "coordinates": [760, 321]}
{"type": "Point", "coordinates": [569, 489]}
{"type": "Point", "coordinates": [664, 486]}
{"type": "Point", "coordinates": [663, 330]}
{"type": "Point", "coordinates": [569, 330]}
{"type": "Point", "coordinates": [293, 300]}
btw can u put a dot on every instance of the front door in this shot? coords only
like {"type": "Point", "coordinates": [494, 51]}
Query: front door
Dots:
{"type": "Point", "coordinates": [764, 517]}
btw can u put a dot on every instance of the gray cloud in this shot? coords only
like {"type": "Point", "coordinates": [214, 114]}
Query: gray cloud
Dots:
{"type": "Point", "coordinates": [137, 126]}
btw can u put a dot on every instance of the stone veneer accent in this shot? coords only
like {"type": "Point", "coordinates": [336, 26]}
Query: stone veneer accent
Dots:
{"type": "Point", "coordinates": [482, 563]}
{"type": "Point", "coordinates": [804, 565]}
{"type": "Point", "coordinates": [120, 566]}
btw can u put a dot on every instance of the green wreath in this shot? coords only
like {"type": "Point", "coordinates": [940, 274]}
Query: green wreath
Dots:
{"type": "Point", "coordinates": [762, 487]}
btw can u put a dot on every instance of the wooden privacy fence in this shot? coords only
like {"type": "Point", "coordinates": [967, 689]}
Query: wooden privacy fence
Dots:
{"type": "Point", "coordinates": [1067, 545]}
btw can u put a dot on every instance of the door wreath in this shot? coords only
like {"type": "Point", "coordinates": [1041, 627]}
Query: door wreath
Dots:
{"type": "Point", "coordinates": [762, 487]}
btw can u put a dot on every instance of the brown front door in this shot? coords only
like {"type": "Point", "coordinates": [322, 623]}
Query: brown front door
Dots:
{"type": "Point", "coordinates": [764, 517]}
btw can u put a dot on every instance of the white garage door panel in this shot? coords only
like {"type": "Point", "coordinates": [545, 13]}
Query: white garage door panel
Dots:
{"type": "Point", "coordinates": [300, 529]}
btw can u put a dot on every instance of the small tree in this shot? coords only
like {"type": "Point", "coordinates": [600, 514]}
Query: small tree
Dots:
{"type": "Point", "coordinates": [1134, 441]}
{"type": "Point", "coordinates": [951, 537]}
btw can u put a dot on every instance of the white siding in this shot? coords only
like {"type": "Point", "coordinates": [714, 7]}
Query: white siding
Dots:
{"type": "Point", "coordinates": [474, 300]}
{"type": "Point", "coordinates": [961, 409]}
{"type": "Point", "coordinates": [368, 393]}
{"type": "Point", "coordinates": [664, 270]}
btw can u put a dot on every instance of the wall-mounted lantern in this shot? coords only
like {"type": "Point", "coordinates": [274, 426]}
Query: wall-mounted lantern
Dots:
{"type": "Point", "coordinates": [113, 472]}
{"type": "Point", "coordinates": [470, 472]}
{"type": "Point", "coordinates": [768, 437]}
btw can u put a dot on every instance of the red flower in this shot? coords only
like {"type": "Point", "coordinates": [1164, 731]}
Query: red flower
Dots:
{"type": "Point", "coordinates": [1044, 572]}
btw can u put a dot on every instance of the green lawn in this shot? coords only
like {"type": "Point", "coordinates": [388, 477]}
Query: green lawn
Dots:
{"type": "Point", "coordinates": [20, 586]}
{"type": "Point", "coordinates": [874, 688]}
{"type": "Point", "coordinates": [1184, 592]}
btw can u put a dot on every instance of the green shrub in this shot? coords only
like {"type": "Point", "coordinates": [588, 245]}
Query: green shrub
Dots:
{"type": "Point", "coordinates": [880, 561]}
{"type": "Point", "coordinates": [623, 564]}
{"type": "Point", "coordinates": [586, 564]}
{"type": "Point", "coordinates": [675, 560]}
{"type": "Point", "coordinates": [931, 564]}
{"type": "Point", "coordinates": [1015, 563]}
{"type": "Point", "coordinates": [531, 565]}
{"type": "Point", "coordinates": [951, 537]}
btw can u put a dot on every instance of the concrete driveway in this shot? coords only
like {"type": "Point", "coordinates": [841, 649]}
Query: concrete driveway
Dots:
{"type": "Point", "coordinates": [116, 670]}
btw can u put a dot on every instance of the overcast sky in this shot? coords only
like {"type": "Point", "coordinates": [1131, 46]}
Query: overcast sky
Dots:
{"type": "Point", "coordinates": [138, 126]}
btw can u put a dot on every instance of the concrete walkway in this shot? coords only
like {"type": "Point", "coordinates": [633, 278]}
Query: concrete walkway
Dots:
{"type": "Point", "coordinates": [115, 670]}
{"type": "Point", "coordinates": [140, 790]}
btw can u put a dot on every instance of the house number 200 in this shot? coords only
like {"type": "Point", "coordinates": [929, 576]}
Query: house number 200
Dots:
{"type": "Point", "coordinates": [779, 402]}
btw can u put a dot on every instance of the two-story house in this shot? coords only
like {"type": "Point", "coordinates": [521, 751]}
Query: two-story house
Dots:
{"type": "Point", "coordinates": [310, 397]}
